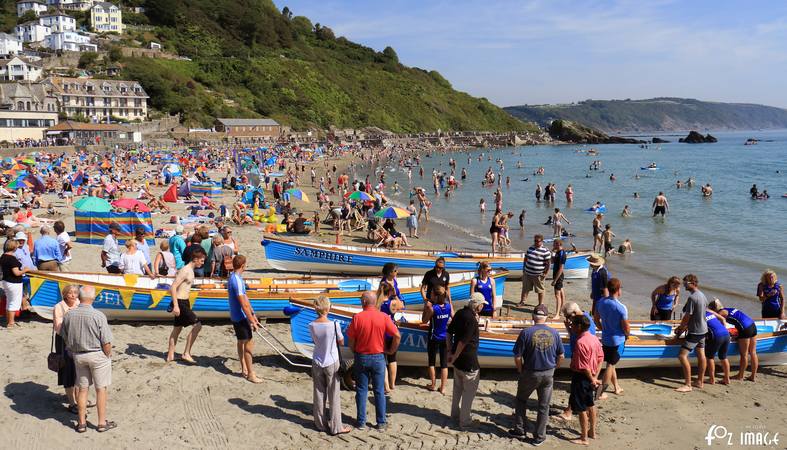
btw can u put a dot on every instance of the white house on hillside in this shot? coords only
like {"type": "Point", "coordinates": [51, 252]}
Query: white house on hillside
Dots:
{"type": "Point", "coordinates": [69, 41]}
{"type": "Point", "coordinates": [32, 31]}
{"type": "Point", "coordinates": [37, 6]}
{"type": "Point", "coordinates": [19, 69]}
{"type": "Point", "coordinates": [58, 22]}
{"type": "Point", "coordinates": [72, 5]}
{"type": "Point", "coordinates": [9, 45]}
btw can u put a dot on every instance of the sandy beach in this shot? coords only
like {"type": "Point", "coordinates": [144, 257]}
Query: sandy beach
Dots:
{"type": "Point", "coordinates": [208, 405]}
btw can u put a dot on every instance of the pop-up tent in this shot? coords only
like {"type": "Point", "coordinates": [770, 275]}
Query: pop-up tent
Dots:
{"type": "Point", "coordinates": [92, 227]}
{"type": "Point", "coordinates": [185, 189]}
{"type": "Point", "coordinates": [171, 195]}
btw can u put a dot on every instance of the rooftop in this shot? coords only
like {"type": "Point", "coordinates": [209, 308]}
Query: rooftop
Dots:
{"type": "Point", "coordinates": [248, 122]}
{"type": "Point", "coordinates": [70, 125]}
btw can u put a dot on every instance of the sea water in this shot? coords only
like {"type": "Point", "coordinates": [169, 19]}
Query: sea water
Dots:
{"type": "Point", "coordinates": [727, 239]}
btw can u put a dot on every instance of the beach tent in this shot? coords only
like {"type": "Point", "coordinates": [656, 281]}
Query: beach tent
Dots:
{"type": "Point", "coordinates": [185, 189]}
{"type": "Point", "coordinates": [173, 169]}
{"type": "Point", "coordinates": [271, 161]}
{"type": "Point", "coordinates": [171, 195]}
{"type": "Point", "coordinates": [212, 190]}
{"type": "Point", "coordinates": [36, 183]}
{"type": "Point", "coordinates": [92, 227]}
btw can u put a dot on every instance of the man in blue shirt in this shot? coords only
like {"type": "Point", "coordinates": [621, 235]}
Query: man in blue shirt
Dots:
{"type": "Point", "coordinates": [242, 317]}
{"type": "Point", "coordinates": [612, 318]}
{"type": "Point", "coordinates": [598, 281]}
{"type": "Point", "coordinates": [537, 352]}
{"type": "Point", "coordinates": [46, 251]}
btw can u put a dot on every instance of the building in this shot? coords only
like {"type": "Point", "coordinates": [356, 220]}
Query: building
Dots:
{"type": "Point", "coordinates": [106, 18]}
{"type": "Point", "coordinates": [100, 99]}
{"type": "Point", "coordinates": [249, 128]}
{"type": "Point", "coordinates": [87, 133]}
{"type": "Point", "coordinates": [71, 5]}
{"type": "Point", "coordinates": [26, 110]}
{"type": "Point", "coordinates": [70, 41]}
{"type": "Point", "coordinates": [10, 45]}
{"type": "Point", "coordinates": [58, 22]}
{"type": "Point", "coordinates": [37, 6]}
{"type": "Point", "coordinates": [32, 31]}
{"type": "Point", "coordinates": [19, 69]}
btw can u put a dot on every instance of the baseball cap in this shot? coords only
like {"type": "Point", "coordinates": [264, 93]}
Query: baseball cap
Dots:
{"type": "Point", "coordinates": [179, 229]}
{"type": "Point", "coordinates": [476, 300]}
{"type": "Point", "coordinates": [20, 236]}
{"type": "Point", "coordinates": [541, 310]}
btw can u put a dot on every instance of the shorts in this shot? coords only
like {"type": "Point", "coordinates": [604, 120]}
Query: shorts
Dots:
{"type": "Point", "coordinates": [581, 392]}
{"type": "Point", "coordinates": [769, 312]}
{"type": "Point", "coordinates": [717, 347]}
{"type": "Point", "coordinates": [49, 266]}
{"type": "Point", "coordinates": [13, 296]}
{"type": "Point", "coordinates": [692, 341]}
{"type": "Point", "coordinates": [533, 283]}
{"type": "Point", "coordinates": [433, 347]}
{"type": "Point", "coordinates": [93, 368]}
{"type": "Point", "coordinates": [748, 333]}
{"type": "Point", "coordinates": [559, 283]}
{"type": "Point", "coordinates": [659, 210]}
{"type": "Point", "coordinates": [608, 246]}
{"type": "Point", "coordinates": [662, 314]}
{"type": "Point", "coordinates": [113, 269]}
{"type": "Point", "coordinates": [390, 358]}
{"type": "Point", "coordinates": [187, 316]}
{"type": "Point", "coordinates": [612, 353]}
{"type": "Point", "coordinates": [242, 329]}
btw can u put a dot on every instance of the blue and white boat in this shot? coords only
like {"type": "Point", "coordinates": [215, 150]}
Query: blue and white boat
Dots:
{"type": "Point", "coordinates": [651, 344]}
{"type": "Point", "coordinates": [131, 297]}
{"type": "Point", "coordinates": [304, 256]}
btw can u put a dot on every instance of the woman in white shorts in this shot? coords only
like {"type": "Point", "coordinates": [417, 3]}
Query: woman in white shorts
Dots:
{"type": "Point", "coordinates": [12, 281]}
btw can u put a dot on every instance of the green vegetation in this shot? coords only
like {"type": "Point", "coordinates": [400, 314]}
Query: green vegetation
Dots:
{"type": "Point", "coordinates": [657, 114]}
{"type": "Point", "coordinates": [247, 59]}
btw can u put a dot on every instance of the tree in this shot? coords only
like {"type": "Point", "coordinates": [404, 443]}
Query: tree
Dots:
{"type": "Point", "coordinates": [28, 16]}
{"type": "Point", "coordinates": [115, 54]}
{"type": "Point", "coordinates": [286, 13]}
{"type": "Point", "coordinates": [87, 59]}
{"type": "Point", "coordinates": [324, 33]}
{"type": "Point", "coordinates": [390, 54]}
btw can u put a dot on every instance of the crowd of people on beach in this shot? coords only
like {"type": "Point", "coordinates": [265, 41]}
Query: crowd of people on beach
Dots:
{"type": "Point", "coordinates": [82, 338]}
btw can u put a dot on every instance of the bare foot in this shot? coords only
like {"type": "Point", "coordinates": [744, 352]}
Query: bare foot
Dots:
{"type": "Point", "coordinates": [712, 381]}
{"type": "Point", "coordinates": [562, 418]}
{"type": "Point", "coordinates": [684, 388]}
{"type": "Point", "coordinates": [591, 434]}
{"type": "Point", "coordinates": [253, 378]}
{"type": "Point", "coordinates": [442, 390]}
{"type": "Point", "coordinates": [603, 396]}
{"type": "Point", "coordinates": [618, 391]}
{"type": "Point", "coordinates": [750, 378]}
{"type": "Point", "coordinates": [697, 385]}
{"type": "Point", "coordinates": [556, 317]}
{"type": "Point", "coordinates": [580, 441]}
{"type": "Point", "coordinates": [432, 387]}
{"type": "Point", "coordinates": [188, 359]}
{"type": "Point", "coordinates": [738, 377]}
{"type": "Point", "coordinates": [725, 381]}
{"type": "Point", "coordinates": [521, 303]}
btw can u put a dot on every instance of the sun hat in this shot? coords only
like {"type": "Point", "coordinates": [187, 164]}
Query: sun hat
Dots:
{"type": "Point", "coordinates": [20, 236]}
{"type": "Point", "coordinates": [595, 260]}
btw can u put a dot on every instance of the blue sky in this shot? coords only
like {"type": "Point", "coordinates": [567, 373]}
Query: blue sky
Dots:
{"type": "Point", "coordinates": [554, 51]}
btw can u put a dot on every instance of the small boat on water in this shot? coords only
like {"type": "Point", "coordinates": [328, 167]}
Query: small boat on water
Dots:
{"type": "Point", "coordinates": [130, 297]}
{"type": "Point", "coordinates": [303, 256]}
{"type": "Point", "coordinates": [651, 344]}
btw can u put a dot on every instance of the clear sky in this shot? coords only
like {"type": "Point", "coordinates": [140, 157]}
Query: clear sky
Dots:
{"type": "Point", "coordinates": [557, 51]}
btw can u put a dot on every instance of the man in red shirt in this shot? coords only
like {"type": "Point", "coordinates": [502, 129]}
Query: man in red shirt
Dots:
{"type": "Point", "coordinates": [367, 333]}
{"type": "Point", "coordinates": [585, 363]}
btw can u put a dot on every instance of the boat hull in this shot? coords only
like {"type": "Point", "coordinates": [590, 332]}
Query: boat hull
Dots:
{"type": "Point", "coordinates": [119, 301]}
{"type": "Point", "coordinates": [497, 352]}
{"type": "Point", "coordinates": [297, 256]}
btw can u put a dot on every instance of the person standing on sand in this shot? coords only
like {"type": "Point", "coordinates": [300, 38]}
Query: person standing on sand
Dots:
{"type": "Point", "coordinates": [535, 269]}
{"type": "Point", "coordinates": [180, 293]}
{"type": "Point", "coordinates": [664, 299]}
{"type": "Point", "coordinates": [537, 353]}
{"type": "Point", "coordinates": [570, 311]}
{"type": "Point", "coordinates": [694, 323]}
{"type": "Point", "coordinates": [88, 337]}
{"type": "Point", "coordinates": [462, 340]}
{"type": "Point", "coordinates": [771, 295]}
{"type": "Point", "coordinates": [177, 244]}
{"type": "Point", "coordinates": [110, 252]}
{"type": "Point", "coordinates": [747, 333]}
{"type": "Point", "coordinates": [558, 264]}
{"type": "Point", "coordinates": [437, 313]}
{"type": "Point", "coordinates": [612, 320]}
{"type": "Point", "coordinates": [244, 322]}
{"type": "Point", "coordinates": [717, 343]}
{"type": "Point", "coordinates": [367, 340]}
{"type": "Point", "coordinates": [599, 275]}
{"type": "Point", "coordinates": [412, 221]}
{"type": "Point", "coordinates": [13, 272]}
{"type": "Point", "coordinates": [327, 337]}
{"type": "Point", "coordinates": [66, 375]}
{"type": "Point", "coordinates": [660, 205]}
{"type": "Point", "coordinates": [586, 358]}
{"type": "Point", "coordinates": [435, 277]}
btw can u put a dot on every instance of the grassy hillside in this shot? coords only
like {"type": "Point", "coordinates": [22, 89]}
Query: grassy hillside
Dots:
{"type": "Point", "coordinates": [245, 58]}
{"type": "Point", "coordinates": [657, 114]}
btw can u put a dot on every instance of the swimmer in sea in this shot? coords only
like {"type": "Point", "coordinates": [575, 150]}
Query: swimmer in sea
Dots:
{"type": "Point", "coordinates": [522, 220]}
{"type": "Point", "coordinates": [626, 211]}
{"type": "Point", "coordinates": [625, 247]}
{"type": "Point", "coordinates": [660, 205]}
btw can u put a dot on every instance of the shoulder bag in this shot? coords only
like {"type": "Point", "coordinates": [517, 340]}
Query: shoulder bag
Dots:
{"type": "Point", "coordinates": [55, 361]}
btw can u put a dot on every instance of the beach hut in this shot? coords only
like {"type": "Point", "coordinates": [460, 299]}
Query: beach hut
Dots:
{"type": "Point", "coordinates": [92, 227]}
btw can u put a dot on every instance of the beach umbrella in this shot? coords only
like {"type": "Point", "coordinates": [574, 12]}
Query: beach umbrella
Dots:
{"type": "Point", "coordinates": [29, 161]}
{"type": "Point", "coordinates": [130, 203]}
{"type": "Point", "coordinates": [93, 204]}
{"type": "Point", "coordinates": [392, 212]}
{"type": "Point", "coordinates": [360, 195]}
{"type": "Point", "coordinates": [299, 194]}
{"type": "Point", "coordinates": [19, 183]}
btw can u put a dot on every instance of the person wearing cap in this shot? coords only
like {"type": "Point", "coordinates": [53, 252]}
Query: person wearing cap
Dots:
{"type": "Point", "coordinates": [110, 252]}
{"type": "Point", "coordinates": [599, 276]}
{"type": "Point", "coordinates": [22, 252]}
{"type": "Point", "coordinates": [177, 244]}
{"type": "Point", "coordinates": [537, 353]}
{"type": "Point", "coordinates": [570, 311]}
{"type": "Point", "coordinates": [46, 251]}
{"type": "Point", "coordinates": [612, 318]}
{"type": "Point", "coordinates": [535, 268]}
{"type": "Point", "coordinates": [462, 341]}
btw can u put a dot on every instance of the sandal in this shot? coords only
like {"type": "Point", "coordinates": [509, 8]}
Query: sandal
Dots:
{"type": "Point", "coordinates": [81, 427]}
{"type": "Point", "coordinates": [74, 409]}
{"type": "Point", "coordinates": [107, 426]}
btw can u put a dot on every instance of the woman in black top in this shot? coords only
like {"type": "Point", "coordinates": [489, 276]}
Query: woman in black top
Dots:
{"type": "Point", "coordinates": [12, 280]}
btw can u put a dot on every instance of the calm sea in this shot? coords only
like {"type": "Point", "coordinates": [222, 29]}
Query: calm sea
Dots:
{"type": "Point", "coordinates": [727, 240]}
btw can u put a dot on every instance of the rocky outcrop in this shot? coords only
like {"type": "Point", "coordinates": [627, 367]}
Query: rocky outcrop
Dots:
{"type": "Point", "coordinates": [659, 141]}
{"type": "Point", "coordinates": [696, 138]}
{"type": "Point", "coordinates": [568, 131]}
